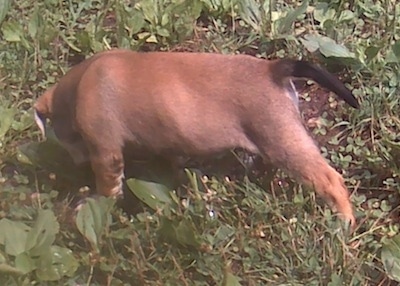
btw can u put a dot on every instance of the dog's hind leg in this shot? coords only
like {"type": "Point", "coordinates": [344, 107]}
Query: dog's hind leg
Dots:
{"type": "Point", "coordinates": [328, 183]}
{"type": "Point", "coordinates": [294, 150]}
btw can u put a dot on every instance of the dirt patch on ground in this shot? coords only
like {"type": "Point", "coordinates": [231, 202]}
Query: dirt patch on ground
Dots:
{"type": "Point", "coordinates": [313, 109]}
{"type": "Point", "coordinates": [319, 107]}
{"type": "Point", "coordinates": [318, 103]}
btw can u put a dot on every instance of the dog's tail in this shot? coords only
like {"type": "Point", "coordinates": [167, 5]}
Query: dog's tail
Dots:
{"type": "Point", "coordinates": [303, 69]}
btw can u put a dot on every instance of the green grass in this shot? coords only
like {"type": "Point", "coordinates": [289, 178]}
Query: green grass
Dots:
{"type": "Point", "coordinates": [220, 232]}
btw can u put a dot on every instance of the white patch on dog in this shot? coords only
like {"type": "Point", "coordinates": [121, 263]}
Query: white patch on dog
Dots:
{"type": "Point", "coordinates": [292, 92]}
{"type": "Point", "coordinates": [40, 124]}
{"type": "Point", "coordinates": [117, 190]}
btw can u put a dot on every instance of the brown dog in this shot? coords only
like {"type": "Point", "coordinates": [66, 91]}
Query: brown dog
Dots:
{"type": "Point", "coordinates": [189, 104]}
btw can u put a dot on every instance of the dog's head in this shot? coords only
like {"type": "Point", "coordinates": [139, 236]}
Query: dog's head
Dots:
{"type": "Point", "coordinates": [43, 109]}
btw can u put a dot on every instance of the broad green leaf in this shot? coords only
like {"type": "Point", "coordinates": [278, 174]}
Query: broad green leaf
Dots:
{"type": "Point", "coordinates": [371, 52]}
{"type": "Point", "coordinates": [327, 46]}
{"type": "Point", "coordinates": [27, 153]}
{"type": "Point", "coordinates": [396, 50]}
{"type": "Point", "coordinates": [25, 263]}
{"type": "Point", "coordinates": [186, 233]}
{"type": "Point", "coordinates": [266, 7]}
{"type": "Point", "coordinates": [167, 229]}
{"type": "Point", "coordinates": [136, 23]}
{"type": "Point", "coordinates": [13, 235]}
{"type": "Point", "coordinates": [35, 22]}
{"type": "Point", "coordinates": [336, 280]}
{"type": "Point", "coordinates": [310, 43]}
{"type": "Point", "coordinates": [8, 269]}
{"type": "Point", "coordinates": [122, 233]}
{"type": "Point", "coordinates": [70, 43]}
{"type": "Point", "coordinates": [229, 278]}
{"type": "Point", "coordinates": [223, 233]}
{"type": "Point", "coordinates": [182, 232]}
{"type": "Point", "coordinates": [24, 122]}
{"type": "Point", "coordinates": [196, 9]}
{"type": "Point", "coordinates": [228, 4]}
{"type": "Point", "coordinates": [49, 154]}
{"type": "Point", "coordinates": [94, 218]}
{"type": "Point", "coordinates": [391, 57]}
{"type": "Point", "coordinates": [43, 232]}
{"type": "Point", "coordinates": [152, 194]}
{"type": "Point", "coordinates": [5, 6]}
{"type": "Point", "coordinates": [162, 32]}
{"type": "Point", "coordinates": [346, 15]}
{"type": "Point", "coordinates": [249, 11]}
{"type": "Point", "coordinates": [286, 23]}
{"type": "Point", "coordinates": [209, 5]}
{"type": "Point", "coordinates": [56, 263]}
{"type": "Point", "coordinates": [391, 257]}
{"type": "Point", "coordinates": [150, 12]}
{"type": "Point", "coordinates": [322, 13]}
{"type": "Point", "coordinates": [6, 120]}
{"type": "Point", "coordinates": [12, 31]}
{"type": "Point", "coordinates": [164, 19]}
{"type": "Point", "coordinates": [84, 39]}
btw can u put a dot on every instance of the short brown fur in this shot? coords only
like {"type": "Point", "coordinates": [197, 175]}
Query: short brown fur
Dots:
{"type": "Point", "coordinates": [189, 104]}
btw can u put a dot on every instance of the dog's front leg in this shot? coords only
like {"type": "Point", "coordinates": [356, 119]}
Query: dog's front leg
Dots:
{"type": "Point", "coordinates": [108, 167]}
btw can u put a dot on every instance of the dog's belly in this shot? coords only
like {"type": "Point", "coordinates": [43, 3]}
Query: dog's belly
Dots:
{"type": "Point", "coordinates": [193, 144]}
{"type": "Point", "coordinates": [189, 135]}
{"type": "Point", "coordinates": [184, 122]}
